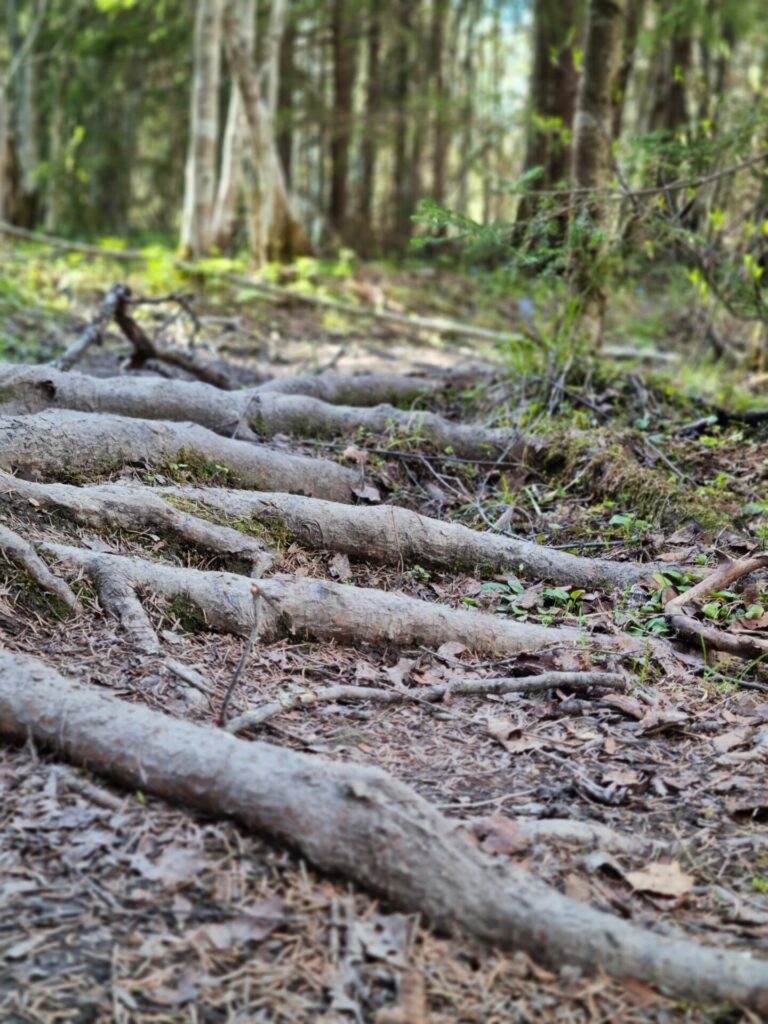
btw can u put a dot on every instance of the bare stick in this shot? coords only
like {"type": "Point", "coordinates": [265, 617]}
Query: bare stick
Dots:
{"type": "Point", "coordinates": [93, 333]}
{"type": "Point", "coordinates": [693, 630]}
{"type": "Point", "coordinates": [428, 694]}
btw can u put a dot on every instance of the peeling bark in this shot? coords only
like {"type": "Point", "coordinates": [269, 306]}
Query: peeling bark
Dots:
{"type": "Point", "coordinates": [360, 824]}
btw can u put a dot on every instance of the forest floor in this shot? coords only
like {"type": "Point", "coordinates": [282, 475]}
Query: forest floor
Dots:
{"type": "Point", "coordinates": [117, 906]}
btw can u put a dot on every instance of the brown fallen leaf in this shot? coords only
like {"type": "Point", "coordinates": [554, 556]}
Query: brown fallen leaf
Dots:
{"type": "Point", "coordinates": [497, 834]}
{"type": "Point", "coordinates": [339, 567]}
{"type": "Point", "coordinates": [511, 737]}
{"type": "Point", "coordinates": [623, 776]}
{"type": "Point", "coordinates": [175, 866]}
{"type": "Point", "coordinates": [735, 738]}
{"type": "Point", "coordinates": [662, 878]}
{"type": "Point", "coordinates": [412, 1005]}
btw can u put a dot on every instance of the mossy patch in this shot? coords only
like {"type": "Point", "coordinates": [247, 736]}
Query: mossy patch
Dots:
{"type": "Point", "coordinates": [190, 467]}
{"type": "Point", "coordinates": [187, 614]}
{"type": "Point", "coordinates": [603, 464]}
{"type": "Point", "coordinates": [30, 596]}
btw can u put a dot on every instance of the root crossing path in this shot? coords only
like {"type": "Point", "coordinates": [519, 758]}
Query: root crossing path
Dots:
{"type": "Point", "coordinates": [144, 516]}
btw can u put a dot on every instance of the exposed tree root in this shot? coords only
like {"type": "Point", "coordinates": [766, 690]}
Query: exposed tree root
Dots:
{"type": "Point", "coordinates": [303, 607]}
{"type": "Point", "coordinates": [386, 534]}
{"type": "Point", "coordinates": [21, 553]}
{"type": "Point", "coordinates": [254, 412]}
{"type": "Point", "coordinates": [63, 443]}
{"type": "Point", "coordinates": [741, 645]}
{"type": "Point", "coordinates": [138, 509]}
{"type": "Point", "coordinates": [392, 535]}
{"type": "Point", "coordinates": [358, 823]}
{"type": "Point", "coordinates": [425, 694]}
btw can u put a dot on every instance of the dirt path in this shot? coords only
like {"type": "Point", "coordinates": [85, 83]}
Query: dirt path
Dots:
{"type": "Point", "coordinates": [638, 793]}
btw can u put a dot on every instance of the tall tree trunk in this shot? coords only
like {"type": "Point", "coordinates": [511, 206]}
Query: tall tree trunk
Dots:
{"type": "Point", "coordinates": [284, 113]}
{"type": "Point", "coordinates": [344, 43]}
{"type": "Point", "coordinates": [440, 13]}
{"type": "Point", "coordinates": [232, 154]}
{"type": "Point", "coordinates": [402, 200]}
{"type": "Point", "coordinates": [592, 167]}
{"type": "Point", "coordinates": [200, 184]}
{"type": "Point", "coordinates": [634, 21]}
{"type": "Point", "coordinates": [370, 137]}
{"type": "Point", "coordinates": [279, 234]}
{"type": "Point", "coordinates": [553, 87]}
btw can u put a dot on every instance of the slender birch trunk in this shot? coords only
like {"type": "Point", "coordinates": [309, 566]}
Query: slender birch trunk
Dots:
{"type": "Point", "coordinates": [592, 167]}
{"type": "Point", "coordinates": [231, 178]}
{"type": "Point", "coordinates": [279, 232]}
{"type": "Point", "coordinates": [200, 185]}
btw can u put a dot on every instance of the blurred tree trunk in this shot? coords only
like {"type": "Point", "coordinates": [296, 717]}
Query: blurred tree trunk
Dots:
{"type": "Point", "coordinates": [553, 86]}
{"type": "Point", "coordinates": [200, 185]}
{"type": "Point", "coordinates": [440, 13]}
{"type": "Point", "coordinates": [285, 117]}
{"type": "Point", "coordinates": [592, 166]}
{"type": "Point", "coordinates": [344, 44]}
{"type": "Point", "coordinates": [232, 153]}
{"type": "Point", "coordinates": [371, 134]}
{"type": "Point", "coordinates": [277, 233]}
{"type": "Point", "coordinates": [634, 21]}
{"type": "Point", "coordinates": [402, 199]}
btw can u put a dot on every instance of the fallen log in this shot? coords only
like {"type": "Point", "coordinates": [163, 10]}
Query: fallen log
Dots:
{"type": "Point", "coordinates": [360, 824]}
{"type": "Point", "coordinates": [60, 442]}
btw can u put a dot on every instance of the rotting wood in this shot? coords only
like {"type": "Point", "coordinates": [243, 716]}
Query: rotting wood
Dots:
{"type": "Point", "coordinates": [358, 823]}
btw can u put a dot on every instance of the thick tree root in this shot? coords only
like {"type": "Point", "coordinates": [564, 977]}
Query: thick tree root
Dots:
{"type": "Point", "coordinates": [30, 389]}
{"type": "Point", "coordinates": [255, 412]}
{"type": "Point", "coordinates": [21, 553]}
{"type": "Point", "coordinates": [63, 443]}
{"type": "Point", "coordinates": [358, 823]}
{"type": "Point", "coordinates": [138, 509]}
{"type": "Point", "coordinates": [303, 607]}
{"type": "Point", "coordinates": [392, 535]}
{"type": "Point", "coordinates": [386, 534]}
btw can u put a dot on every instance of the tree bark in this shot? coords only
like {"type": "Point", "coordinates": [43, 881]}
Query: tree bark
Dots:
{"type": "Point", "coordinates": [279, 234]}
{"type": "Point", "coordinates": [200, 184]}
{"type": "Point", "coordinates": [553, 85]}
{"type": "Point", "coordinates": [230, 188]}
{"type": "Point", "coordinates": [370, 136]}
{"type": "Point", "coordinates": [344, 44]}
{"type": "Point", "coordinates": [592, 165]}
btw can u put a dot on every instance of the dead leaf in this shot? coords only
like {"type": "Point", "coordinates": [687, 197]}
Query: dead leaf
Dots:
{"type": "Point", "coordinates": [253, 926]}
{"type": "Point", "coordinates": [661, 878]}
{"type": "Point", "coordinates": [532, 597]}
{"type": "Point", "coordinates": [640, 994]}
{"type": "Point", "coordinates": [175, 866]}
{"type": "Point", "coordinates": [367, 492]}
{"type": "Point", "coordinates": [339, 567]}
{"type": "Point", "coordinates": [450, 649]}
{"type": "Point", "coordinates": [503, 730]}
{"type": "Point", "coordinates": [577, 888]}
{"type": "Point", "coordinates": [735, 738]}
{"type": "Point", "coordinates": [497, 834]}
{"type": "Point", "coordinates": [385, 937]}
{"type": "Point", "coordinates": [359, 455]}
{"type": "Point", "coordinates": [397, 674]}
{"type": "Point", "coordinates": [623, 776]}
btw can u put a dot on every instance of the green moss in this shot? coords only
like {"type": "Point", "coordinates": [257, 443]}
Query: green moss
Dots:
{"type": "Point", "coordinates": [604, 465]}
{"type": "Point", "coordinates": [31, 597]}
{"type": "Point", "coordinates": [188, 614]}
{"type": "Point", "coordinates": [271, 528]}
{"type": "Point", "coordinates": [188, 466]}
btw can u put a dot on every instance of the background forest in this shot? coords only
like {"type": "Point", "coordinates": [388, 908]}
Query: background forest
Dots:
{"type": "Point", "coordinates": [280, 129]}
